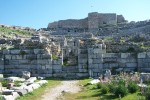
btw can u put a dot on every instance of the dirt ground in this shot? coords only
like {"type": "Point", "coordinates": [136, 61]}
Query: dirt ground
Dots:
{"type": "Point", "coordinates": [56, 93]}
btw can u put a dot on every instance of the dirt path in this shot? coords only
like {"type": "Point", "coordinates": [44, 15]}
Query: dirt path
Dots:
{"type": "Point", "coordinates": [56, 93]}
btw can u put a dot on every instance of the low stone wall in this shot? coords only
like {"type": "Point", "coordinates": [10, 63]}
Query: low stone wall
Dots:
{"type": "Point", "coordinates": [37, 61]}
{"type": "Point", "coordinates": [91, 63]}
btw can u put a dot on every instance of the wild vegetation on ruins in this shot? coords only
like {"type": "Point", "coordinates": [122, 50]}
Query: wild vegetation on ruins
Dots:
{"type": "Point", "coordinates": [102, 46]}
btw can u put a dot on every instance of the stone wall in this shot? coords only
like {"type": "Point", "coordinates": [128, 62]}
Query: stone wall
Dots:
{"type": "Point", "coordinates": [91, 63]}
{"type": "Point", "coordinates": [82, 62]}
{"type": "Point", "coordinates": [93, 21]}
{"type": "Point", "coordinates": [144, 61]}
{"type": "Point", "coordinates": [95, 62]}
{"type": "Point", "coordinates": [37, 61]}
{"type": "Point", "coordinates": [70, 23]}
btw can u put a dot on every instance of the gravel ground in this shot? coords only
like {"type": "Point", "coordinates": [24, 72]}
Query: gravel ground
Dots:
{"type": "Point", "coordinates": [56, 93]}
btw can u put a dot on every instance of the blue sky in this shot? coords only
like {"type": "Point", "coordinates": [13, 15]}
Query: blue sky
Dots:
{"type": "Point", "coordinates": [38, 13]}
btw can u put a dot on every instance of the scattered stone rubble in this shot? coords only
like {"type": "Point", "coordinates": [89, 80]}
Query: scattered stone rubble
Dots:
{"type": "Point", "coordinates": [27, 86]}
{"type": "Point", "coordinates": [78, 48]}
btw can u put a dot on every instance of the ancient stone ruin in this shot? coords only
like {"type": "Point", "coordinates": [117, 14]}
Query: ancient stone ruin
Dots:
{"type": "Point", "coordinates": [79, 48]}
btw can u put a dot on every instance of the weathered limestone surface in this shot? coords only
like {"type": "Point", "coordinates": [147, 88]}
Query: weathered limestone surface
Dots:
{"type": "Point", "coordinates": [92, 61]}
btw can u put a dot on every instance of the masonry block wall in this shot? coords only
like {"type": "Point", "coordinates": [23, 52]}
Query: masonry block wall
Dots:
{"type": "Point", "coordinates": [144, 61]}
{"type": "Point", "coordinates": [37, 61]}
{"type": "Point", "coordinates": [1, 62]}
{"type": "Point", "coordinates": [91, 62]}
{"type": "Point", "coordinates": [83, 62]}
{"type": "Point", "coordinates": [95, 61]}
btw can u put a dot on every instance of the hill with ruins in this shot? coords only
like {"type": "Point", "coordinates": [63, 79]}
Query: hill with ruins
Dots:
{"type": "Point", "coordinates": [113, 28]}
{"type": "Point", "coordinates": [76, 48]}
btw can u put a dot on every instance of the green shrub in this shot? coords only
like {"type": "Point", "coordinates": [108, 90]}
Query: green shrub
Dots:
{"type": "Point", "coordinates": [132, 87]}
{"type": "Point", "coordinates": [4, 83]}
{"type": "Point", "coordinates": [147, 94]}
{"type": "Point", "coordinates": [121, 82]}
{"type": "Point", "coordinates": [112, 87]}
{"type": "Point", "coordinates": [99, 85]}
{"type": "Point", "coordinates": [121, 90]}
{"type": "Point", "coordinates": [104, 89]}
{"type": "Point", "coordinates": [54, 57]}
{"type": "Point", "coordinates": [17, 83]}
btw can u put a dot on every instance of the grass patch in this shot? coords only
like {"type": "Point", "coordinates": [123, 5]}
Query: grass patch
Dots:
{"type": "Point", "coordinates": [37, 94]}
{"type": "Point", "coordinates": [7, 32]}
{"type": "Point", "coordinates": [88, 92]}
{"type": "Point", "coordinates": [93, 92]}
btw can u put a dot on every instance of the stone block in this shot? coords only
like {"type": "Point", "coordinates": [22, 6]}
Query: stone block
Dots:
{"type": "Point", "coordinates": [13, 57]}
{"type": "Point", "coordinates": [109, 55]}
{"type": "Point", "coordinates": [31, 79]}
{"type": "Point", "coordinates": [93, 56]}
{"type": "Point", "coordinates": [38, 56]}
{"type": "Point", "coordinates": [90, 50]}
{"type": "Point", "coordinates": [83, 70]}
{"type": "Point", "coordinates": [23, 61]}
{"type": "Point", "coordinates": [82, 75]}
{"type": "Point", "coordinates": [26, 74]}
{"type": "Point", "coordinates": [43, 67]}
{"type": "Point", "coordinates": [57, 70]}
{"type": "Point", "coordinates": [24, 57]}
{"type": "Point", "coordinates": [26, 51]}
{"type": "Point", "coordinates": [125, 55]}
{"type": "Point", "coordinates": [46, 75]}
{"type": "Point", "coordinates": [8, 57]}
{"type": "Point", "coordinates": [31, 57]}
{"type": "Point", "coordinates": [45, 56]}
{"type": "Point", "coordinates": [57, 67]}
{"type": "Point", "coordinates": [114, 65]}
{"type": "Point", "coordinates": [97, 70]}
{"type": "Point", "coordinates": [7, 97]}
{"type": "Point", "coordinates": [49, 61]}
{"type": "Point", "coordinates": [34, 62]}
{"type": "Point", "coordinates": [131, 64]}
{"type": "Point", "coordinates": [99, 56]}
{"type": "Point", "coordinates": [80, 66]}
{"type": "Point", "coordinates": [24, 66]}
{"type": "Point", "coordinates": [14, 62]}
{"type": "Point", "coordinates": [146, 60]}
{"type": "Point", "coordinates": [83, 56]}
{"type": "Point", "coordinates": [41, 82]}
{"type": "Point", "coordinates": [35, 86]}
{"type": "Point", "coordinates": [37, 51]}
{"type": "Point", "coordinates": [82, 61]}
{"type": "Point", "coordinates": [48, 66]}
{"type": "Point", "coordinates": [43, 62]}
{"type": "Point", "coordinates": [1, 76]}
{"type": "Point", "coordinates": [95, 65]}
{"type": "Point", "coordinates": [96, 61]}
{"type": "Point", "coordinates": [2, 62]}
{"type": "Point", "coordinates": [142, 55]}
{"type": "Point", "coordinates": [21, 92]}
{"type": "Point", "coordinates": [15, 95]}
{"type": "Point", "coordinates": [57, 62]}
{"type": "Point", "coordinates": [9, 66]}
{"type": "Point", "coordinates": [19, 57]}
{"type": "Point", "coordinates": [15, 51]}
{"type": "Point", "coordinates": [59, 75]}
{"type": "Point", "coordinates": [95, 74]}
{"type": "Point", "coordinates": [6, 51]}
{"type": "Point", "coordinates": [148, 54]}
{"type": "Point", "coordinates": [90, 61]}
{"type": "Point", "coordinates": [100, 65]}
{"type": "Point", "coordinates": [29, 88]}
{"type": "Point", "coordinates": [16, 79]}
{"type": "Point", "coordinates": [96, 50]}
